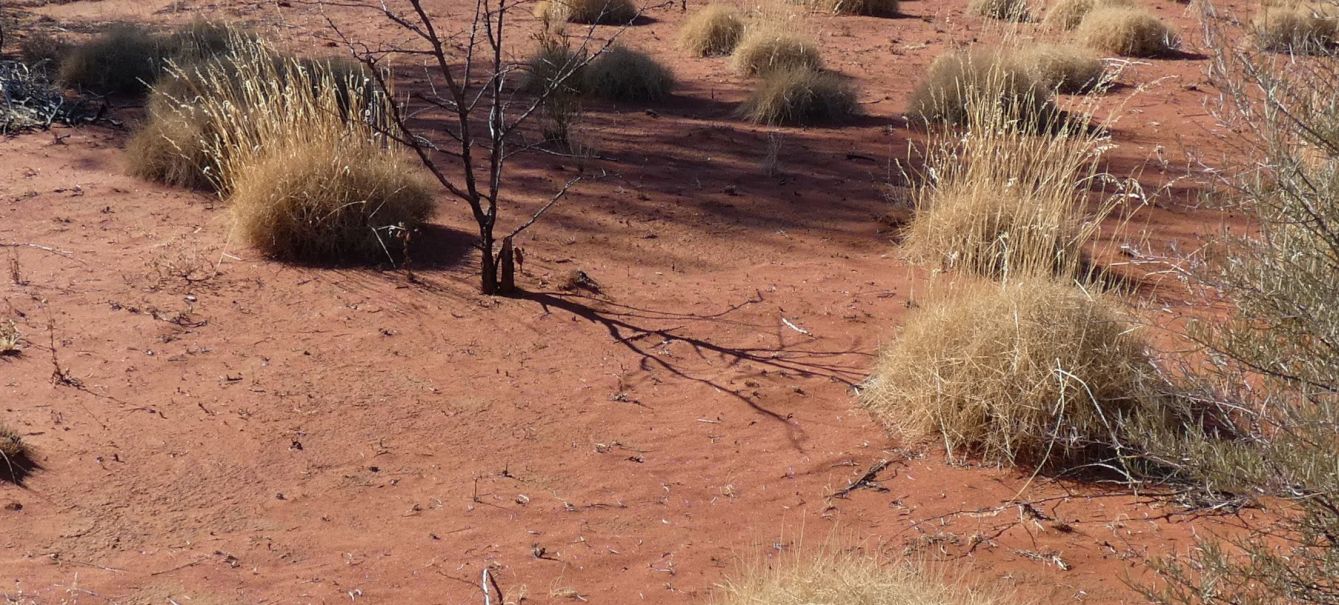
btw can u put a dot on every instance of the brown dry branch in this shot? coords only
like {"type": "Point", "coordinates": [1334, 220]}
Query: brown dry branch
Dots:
{"type": "Point", "coordinates": [470, 84]}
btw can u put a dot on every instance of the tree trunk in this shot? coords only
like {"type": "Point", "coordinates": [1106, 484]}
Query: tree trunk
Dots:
{"type": "Point", "coordinates": [508, 260]}
{"type": "Point", "coordinates": [488, 270]}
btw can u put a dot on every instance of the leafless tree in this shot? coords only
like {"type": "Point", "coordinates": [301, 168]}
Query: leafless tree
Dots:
{"type": "Point", "coordinates": [471, 81]}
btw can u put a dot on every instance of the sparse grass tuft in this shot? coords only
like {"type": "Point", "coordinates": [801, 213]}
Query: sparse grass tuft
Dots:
{"type": "Point", "coordinates": [605, 12]}
{"type": "Point", "coordinates": [556, 70]}
{"type": "Point", "coordinates": [1126, 31]}
{"type": "Point", "coordinates": [800, 96]}
{"type": "Point", "coordinates": [768, 47]}
{"type": "Point", "coordinates": [624, 74]}
{"type": "Point", "coordinates": [1299, 29]}
{"type": "Point", "coordinates": [1031, 372]}
{"type": "Point", "coordinates": [843, 579]}
{"type": "Point", "coordinates": [1061, 67]}
{"type": "Point", "coordinates": [15, 457]}
{"type": "Point", "coordinates": [959, 80]}
{"type": "Point", "coordinates": [11, 445]}
{"type": "Point", "coordinates": [1067, 14]}
{"type": "Point", "coordinates": [9, 338]}
{"type": "Point", "coordinates": [1003, 201]}
{"type": "Point", "coordinates": [712, 31]}
{"type": "Point", "coordinates": [1005, 10]}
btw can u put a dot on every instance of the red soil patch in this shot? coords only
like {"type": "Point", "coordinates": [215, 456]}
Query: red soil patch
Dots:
{"type": "Point", "coordinates": [273, 433]}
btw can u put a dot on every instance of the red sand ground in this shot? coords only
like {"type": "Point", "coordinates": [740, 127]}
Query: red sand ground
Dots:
{"type": "Point", "coordinates": [283, 434]}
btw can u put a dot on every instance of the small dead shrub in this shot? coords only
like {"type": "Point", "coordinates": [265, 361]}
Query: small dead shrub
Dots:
{"type": "Point", "coordinates": [1006, 10]}
{"type": "Point", "coordinates": [1300, 29]}
{"type": "Point", "coordinates": [712, 31]}
{"type": "Point", "coordinates": [769, 47]}
{"type": "Point", "coordinates": [1028, 372]}
{"type": "Point", "coordinates": [624, 74]}
{"type": "Point", "coordinates": [1067, 14]}
{"type": "Point", "coordinates": [556, 70]}
{"type": "Point", "coordinates": [800, 96]}
{"type": "Point", "coordinates": [43, 51]}
{"type": "Point", "coordinates": [605, 12]}
{"type": "Point", "coordinates": [960, 80]}
{"type": "Point", "coordinates": [351, 201]}
{"type": "Point", "coordinates": [1125, 31]}
{"type": "Point", "coordinates": [1061, 67]}
{"type": "Point", "coordinates": [844, 579]}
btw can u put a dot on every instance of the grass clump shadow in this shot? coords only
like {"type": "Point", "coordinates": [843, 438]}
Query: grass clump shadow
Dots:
{"type": "Point", "coordinates": [800, 96]}
{"type": "Point", "coordinates": [714, 30]}
{"type": "Point", "coordinates": [1030, 372]}
{"type": "Point", "coordinates": [1127, 31]}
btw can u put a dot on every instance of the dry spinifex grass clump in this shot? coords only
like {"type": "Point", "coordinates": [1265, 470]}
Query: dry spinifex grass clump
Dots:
{"type": "Point", "coordinates": [1297, 27]}
{"type": "Point", "coordinates": [1063, 68]}
{"type": "Point", "coordinates": [1006, 10]}
{"type": "Point", "coordinates": [800, 96]}
{"type": "Point", "coordinates": [712, 31]}
{"type": "Point", "coordinates": [605, 12]}
{"type": "Point", "coordinates": [1127, 31]}
{"type": "Point", "coordinates": [297, 148]}
{"type": "Point", "coordinates": [769, 45]}
{"type": "Point", "coordinates": [975, 78]}
{"type": "Point", "coordinates": [844, 579]}
{"type": "Point", "coordinates": [868, 8]}
{"type": "Point", "coordinates": [624, 74]}
{"type": "Point", "coordinates": [126, 58]}
{"type": "Point", "coordinates": [1029, 372]}
{"type": "Point", "coordinates": [1067, 14]}
{"type": "Point", "coordinates": [177, 144]}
